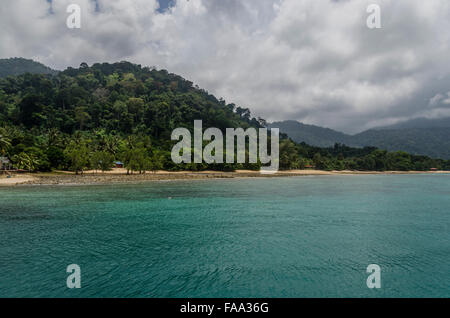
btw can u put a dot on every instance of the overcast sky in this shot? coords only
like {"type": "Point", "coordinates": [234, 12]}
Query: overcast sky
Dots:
{"type": "Point", "coordinates": [315, 61]}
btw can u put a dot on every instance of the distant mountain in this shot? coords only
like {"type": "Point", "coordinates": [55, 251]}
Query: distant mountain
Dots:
{"type": "Point", "coordinates": [433, 142]}
{"type": "Point", "coordinates": [420, 123]}
{"type": "Point", "coordinates": [419, 136]}
{"type": "Point", "coordinates": [18, 66]}
{"type": "Point", "coordinates": [310, 134]}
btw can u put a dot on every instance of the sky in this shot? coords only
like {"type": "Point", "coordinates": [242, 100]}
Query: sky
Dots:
{"type": "Point", "coordinates": [314, 61]}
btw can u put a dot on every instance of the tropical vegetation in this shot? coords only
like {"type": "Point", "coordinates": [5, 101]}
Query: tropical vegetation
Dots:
{"type": "Point", "coordinates": [89, 117]}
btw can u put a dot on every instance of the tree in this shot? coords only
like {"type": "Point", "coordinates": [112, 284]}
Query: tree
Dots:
{"type": "Point", "coordinates": [52, 137]}
{"type": "Point", "coordinates": [289, 158]}
{"type": "Point", "coordinates": [111, 144]}
{"type": "Point", "coordinates": [102, 160]}
{"type": "Point", "coordinates": [78, 154]}
{"type": "Point", "coordinates": [136, 107]}
{"type": "Point", "coordinates": [137, 159]}
{"type": "Point", "coordinates": [318, 161]}
{"type": "Point", "coordinates": [26, 161]}
{"type": "Point", "coordinates": [56, 158]}
{"type": "Point", "coordinates": [30, 110]}
{"type": "Point", "coordinates": [5, 143]}
{"type": "Point", "coordinates": [157, 161]}
{"type": "Point", "coordinates": [400, 161]}
{"type": "Point", "coordinates": [82, 116]}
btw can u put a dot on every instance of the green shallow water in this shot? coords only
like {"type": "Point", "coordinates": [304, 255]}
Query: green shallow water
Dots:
{"type": "Point", "coordinates": [282, 237]}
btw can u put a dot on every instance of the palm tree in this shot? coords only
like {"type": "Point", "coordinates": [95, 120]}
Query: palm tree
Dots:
{"type": "Point", "coordinates": [131, 142]}
{"type": "Point", "coordinates": [5, 143]}
{"type": "Point", "coordinates": [52, 137]}
{"type": "Point", "coordinates": [25, 161]}
{"type": "Point", "coordinates": [112, 144]}
{"type": "Point", "coordinates": [20, 160]}
{"type": "Point", "coordinates": [106, 142]}
{"type": "Point", "coordinates": [33, 163]}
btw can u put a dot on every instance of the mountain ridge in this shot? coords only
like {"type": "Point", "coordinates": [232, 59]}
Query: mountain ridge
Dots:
{"type": "Point", "coordinates": [18, 66]}
{"type": "Point", "coordinates": [419, 137]}
{"type": "Point", "coordinates": [420, 122]}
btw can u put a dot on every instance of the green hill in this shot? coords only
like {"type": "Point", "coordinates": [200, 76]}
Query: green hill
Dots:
{"type": "Point", "coordinates": [18, 66]}
{"type": "Point", "coordinates": [112, 108]}
{"type": "Point", "coordinates": [85, 118]}
{"type": "Point", "coordinates": [120, 98]}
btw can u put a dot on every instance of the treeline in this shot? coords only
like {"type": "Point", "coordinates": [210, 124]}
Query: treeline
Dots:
{"type": "Point", "coordinates": [33, 150]}
{"type": "Point", "coordinates": [341, 157]}
{"type": "Point", "coordinates": [89, 117]}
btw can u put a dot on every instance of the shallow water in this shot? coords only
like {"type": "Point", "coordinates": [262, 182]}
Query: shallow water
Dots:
{"type": "Point", "coordinates": [277, 237]}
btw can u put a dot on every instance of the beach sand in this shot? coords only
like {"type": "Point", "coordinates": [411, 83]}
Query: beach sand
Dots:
{"type": "Point", "coordinates": [120, 176]}
{"type": "Point", "coordinates": [16, 179]}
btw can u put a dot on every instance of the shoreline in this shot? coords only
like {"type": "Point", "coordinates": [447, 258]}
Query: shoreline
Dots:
{"type": "Point", "coordinates": [117, 176]}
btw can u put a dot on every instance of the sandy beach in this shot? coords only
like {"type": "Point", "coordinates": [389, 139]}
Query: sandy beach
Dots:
{"type": "Point", "coordinates": [16, 179]}
{"type": "Point", "coordinates": [120, 176]}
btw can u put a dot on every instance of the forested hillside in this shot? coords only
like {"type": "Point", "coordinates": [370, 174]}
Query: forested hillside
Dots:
{"type": "Point", "coordinates": [89, 117]}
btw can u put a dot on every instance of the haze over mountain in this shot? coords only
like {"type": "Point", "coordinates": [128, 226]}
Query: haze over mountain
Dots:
{"type": "Point", "coordinates": [420, 123]}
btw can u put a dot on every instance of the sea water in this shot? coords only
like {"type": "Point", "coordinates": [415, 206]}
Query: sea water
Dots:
{"type": "Point", "coordinates": [276, 237]}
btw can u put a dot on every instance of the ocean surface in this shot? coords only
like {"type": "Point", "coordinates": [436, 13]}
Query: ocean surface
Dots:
{"type": "Point", "coordinates": [281, 237]}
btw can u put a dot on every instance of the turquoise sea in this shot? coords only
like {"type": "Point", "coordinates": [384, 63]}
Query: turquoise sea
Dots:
{"type": "Point", "coordinates": [274, 237]}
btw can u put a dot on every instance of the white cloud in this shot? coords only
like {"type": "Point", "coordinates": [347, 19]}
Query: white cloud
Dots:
{"type": "Point", "coordinates": [447, 100]}
{"type": "Point", "coordinates": [311, 60]}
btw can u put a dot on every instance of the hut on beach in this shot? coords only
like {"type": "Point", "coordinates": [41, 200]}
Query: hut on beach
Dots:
{"type": "Point", "coordinates": [118, 164]}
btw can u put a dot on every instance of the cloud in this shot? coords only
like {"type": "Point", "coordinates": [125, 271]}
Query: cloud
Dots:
{"type": "Point", "coordinates": [446, 101]}
{"type": "Point", "coordinates": [311, 60]}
